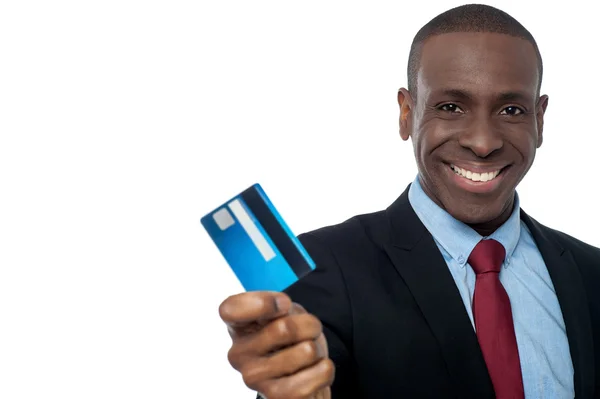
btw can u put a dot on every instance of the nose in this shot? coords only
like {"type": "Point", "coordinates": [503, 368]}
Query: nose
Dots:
{"type": "Point", "coordinates": [481, 137]}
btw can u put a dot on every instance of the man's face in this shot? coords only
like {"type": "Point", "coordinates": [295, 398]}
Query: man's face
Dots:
{"type": "Point", "coordinates": [475, 123]}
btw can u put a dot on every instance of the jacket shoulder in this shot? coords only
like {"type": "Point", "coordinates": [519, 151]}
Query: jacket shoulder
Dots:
{"type": "Point", "coordinates": [586, 255]}
{"type": "Point", "coordinates": [574, 244]}
{"type": "Point", "coordinates": [355, 232]}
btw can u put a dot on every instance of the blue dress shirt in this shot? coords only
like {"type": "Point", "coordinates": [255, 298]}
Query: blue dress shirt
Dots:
{"type": "Point", "coordinates": [539, 326]}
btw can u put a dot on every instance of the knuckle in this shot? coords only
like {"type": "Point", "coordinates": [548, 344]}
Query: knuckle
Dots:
{"type": "Point", "coordinates": [234, 357]}
{"type": "Point", "coordinates": [273, 391]}
{"type": "Point", "coordinates": [316, 324]}
{"type": "Point", "coordinates": [304, 391]}
{"type": "Point", "coordinates": [248, 381]}
{"type": "Point", "coordinates": [285, 329]}
{"type": "Point", "coordinates": [309, 350]}
{"type": "Point", "coordinates": [328, 369]}
{"type": "Point", "coordinates": [312, 326]}
{"type": "Point", "coordinates": [251, 375]}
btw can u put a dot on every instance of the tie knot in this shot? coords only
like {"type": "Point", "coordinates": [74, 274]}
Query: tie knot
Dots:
{"type": "Point", "coordinates": [487, 256]}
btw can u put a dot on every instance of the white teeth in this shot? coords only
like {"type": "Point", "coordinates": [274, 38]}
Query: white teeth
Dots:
{"type": "Point", "coordinates": [483, 177]}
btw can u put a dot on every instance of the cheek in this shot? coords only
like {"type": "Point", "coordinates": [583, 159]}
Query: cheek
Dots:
{"type": "Point", "coordinates": [427, 148]}
{"type": "Point", "coordinates": [431, 140]}
{"type": "Point", "coordinates": [525, 142]}
{"type": "Point", "coordinates": [420, 147]}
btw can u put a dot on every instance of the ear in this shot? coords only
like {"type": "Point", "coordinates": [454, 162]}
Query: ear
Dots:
{"type": "Point", "coordinates": [539, 115]}
{"type": "Point", "coordinates": [406, 103]}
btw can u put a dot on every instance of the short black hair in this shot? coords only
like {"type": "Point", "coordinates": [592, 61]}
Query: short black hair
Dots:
{"type": "Point", "coordinates": [467, 18]}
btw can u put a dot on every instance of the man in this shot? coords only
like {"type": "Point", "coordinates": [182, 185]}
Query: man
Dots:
{"type": "Point", "coordinates": [453, 291]}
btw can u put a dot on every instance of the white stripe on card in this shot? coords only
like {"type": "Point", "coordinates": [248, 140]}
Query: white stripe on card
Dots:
{"type": "Point", "coordinates": [255, 235]}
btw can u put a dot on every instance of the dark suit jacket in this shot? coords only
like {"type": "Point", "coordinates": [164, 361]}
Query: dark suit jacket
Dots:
{"type": "Point", "coordinates": [394, 320]}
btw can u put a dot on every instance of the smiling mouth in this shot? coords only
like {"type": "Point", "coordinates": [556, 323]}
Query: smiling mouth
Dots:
{"type": "Point", "coordinates": [476, 176]}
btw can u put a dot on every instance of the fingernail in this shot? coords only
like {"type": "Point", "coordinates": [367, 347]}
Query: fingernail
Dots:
{"type": "Point", "coordinates": [320, 351]}
{"type": "Point", "coordinates": [282, 304]}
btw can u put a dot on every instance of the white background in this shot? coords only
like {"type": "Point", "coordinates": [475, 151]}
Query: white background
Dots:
{"type": "Point", "coordinates": [123, 122]}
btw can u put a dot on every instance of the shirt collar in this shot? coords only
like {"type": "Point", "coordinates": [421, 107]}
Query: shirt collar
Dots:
{"type": "Point", "coordinates": [456, 237]}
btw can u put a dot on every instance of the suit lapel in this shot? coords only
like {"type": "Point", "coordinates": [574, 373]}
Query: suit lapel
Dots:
{"type": "Point", "coordinates": [419, 262]}
{"type": "Point", "coordinates": [571, 296]}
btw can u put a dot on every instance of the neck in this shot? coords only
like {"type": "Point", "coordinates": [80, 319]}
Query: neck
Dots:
{"type": "Point", "coordinates": [487, 228]}
{"type": "Point", "coordinates": [483, 228]}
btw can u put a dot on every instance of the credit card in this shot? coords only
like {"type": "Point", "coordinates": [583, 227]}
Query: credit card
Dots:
{"type": "Point", "coordinates": [256, 242]}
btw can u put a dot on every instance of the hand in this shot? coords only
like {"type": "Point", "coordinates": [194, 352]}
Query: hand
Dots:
{"type": "Point", "coordinates": [277, 346]}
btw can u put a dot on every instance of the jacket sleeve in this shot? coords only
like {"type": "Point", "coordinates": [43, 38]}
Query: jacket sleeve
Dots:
{"type": "Point", "coordinates": [323, 293]}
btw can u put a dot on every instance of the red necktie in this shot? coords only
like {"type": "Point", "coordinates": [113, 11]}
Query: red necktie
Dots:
{"type": "Point", "coordinates": [493, 321]}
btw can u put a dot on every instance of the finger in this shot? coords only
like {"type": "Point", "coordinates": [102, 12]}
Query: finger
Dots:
{"type": "Point", "coordinates": [304, 384]}
{"type": "Point", "coordinates": [282, 363]}
{"type": "Point", "coordinates": [296, 308]}
{"type": "Point", "coordinates": [280, 333]}
{"type": "Point", "coordinates": [250, 307]}
{"type": "Point", "coordinates": [322, 343]}
{"type": "Point", "coordinates": [324, 394]}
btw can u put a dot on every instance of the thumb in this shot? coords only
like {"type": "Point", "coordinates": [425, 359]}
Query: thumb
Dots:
{"type": "Point", "coordinates": [253, 308]}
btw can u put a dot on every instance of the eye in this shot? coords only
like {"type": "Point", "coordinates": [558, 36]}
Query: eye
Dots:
{"type": "Point", "coordinates": [512, 110]}
{"type": "Point", "coordinates": [452, 108]}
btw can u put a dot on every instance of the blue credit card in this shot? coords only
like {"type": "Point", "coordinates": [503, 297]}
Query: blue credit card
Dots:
{"type": "Point", "coordinates": [256, 242]}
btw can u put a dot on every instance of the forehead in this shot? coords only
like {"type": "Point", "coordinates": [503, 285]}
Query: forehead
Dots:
{"type": "Point", "coordinates": [483, 63]}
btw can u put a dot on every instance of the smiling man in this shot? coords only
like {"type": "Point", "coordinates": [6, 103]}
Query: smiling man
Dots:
{"type": "Point", "coordinates": [474, 113]}
{"type": "Point", "coordinates": [453, 291]}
